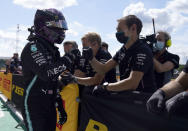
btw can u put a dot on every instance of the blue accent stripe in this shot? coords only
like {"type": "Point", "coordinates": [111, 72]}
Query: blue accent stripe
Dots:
{"type": "Point", "coordinates": [25, 103]}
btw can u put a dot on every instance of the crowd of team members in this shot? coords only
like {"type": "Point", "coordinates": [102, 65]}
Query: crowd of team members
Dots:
{"type": "Point", "coordinates": [141, 68]}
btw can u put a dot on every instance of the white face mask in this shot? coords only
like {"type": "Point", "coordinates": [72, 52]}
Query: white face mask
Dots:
{"type": "Point", "coordinates": [158, 46]}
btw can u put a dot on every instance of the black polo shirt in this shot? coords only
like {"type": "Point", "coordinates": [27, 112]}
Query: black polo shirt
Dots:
{"type": "Point", "coordinates": [164, 77]}
{"type": "Point", "coordinates": [186, 67]}
{"type": "Point", "coordinates": [137, 58]}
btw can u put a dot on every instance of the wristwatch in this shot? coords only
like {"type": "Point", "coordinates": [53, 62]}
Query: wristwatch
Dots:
{"type": "Point", "coordinates": [105, 85]}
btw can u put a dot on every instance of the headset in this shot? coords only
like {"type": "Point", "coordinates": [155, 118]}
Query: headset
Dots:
{"type": "Point", "coordinates": [168, 43]}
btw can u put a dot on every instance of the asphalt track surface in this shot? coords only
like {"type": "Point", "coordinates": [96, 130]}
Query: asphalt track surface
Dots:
{"type": "Point", "coordinates": [8, 121]}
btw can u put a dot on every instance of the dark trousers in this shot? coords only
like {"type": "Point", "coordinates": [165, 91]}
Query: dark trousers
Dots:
{"type": "Point", "coordinates": [39, 113]}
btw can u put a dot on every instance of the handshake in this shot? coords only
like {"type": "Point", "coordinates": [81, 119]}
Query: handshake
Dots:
{"type": "Point", "coordinates": [66, 78]}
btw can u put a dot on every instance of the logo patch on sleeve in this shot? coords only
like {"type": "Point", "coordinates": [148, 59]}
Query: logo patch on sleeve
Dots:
{"type": "Point", "coordinates": [33, 48]}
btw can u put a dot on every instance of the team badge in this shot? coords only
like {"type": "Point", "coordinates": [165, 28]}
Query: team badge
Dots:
{"type": "Point", "coordinates": [33, 48]}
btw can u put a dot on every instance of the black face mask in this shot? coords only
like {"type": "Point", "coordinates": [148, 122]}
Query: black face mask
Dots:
{"type": "Point", "coordinates": [121, 37]}
{"type": "Point", "coordinates": [60, 37]}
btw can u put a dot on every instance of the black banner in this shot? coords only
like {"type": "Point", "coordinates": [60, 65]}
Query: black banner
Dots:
{"type": "Point", "coordinates": [17, 90]}
{"type": "Point", "coordinates": [124, 112]}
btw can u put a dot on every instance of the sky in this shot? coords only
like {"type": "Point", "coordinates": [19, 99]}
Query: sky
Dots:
{"type": "Point", "coordinates": [98, 16]}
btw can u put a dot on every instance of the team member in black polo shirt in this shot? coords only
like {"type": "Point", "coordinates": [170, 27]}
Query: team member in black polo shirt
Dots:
{"type": "Point", "coordinates": [135, 59]}
{"type": "Point", "coordinates": [164, 61]}
{"type": "Point", "coordinates": [89, 77]}
{"type": "Point", "coordinates": [172, 96]}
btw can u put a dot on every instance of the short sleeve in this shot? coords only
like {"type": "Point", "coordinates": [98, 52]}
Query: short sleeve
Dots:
{"type": "Point", "coordinates": [116, 56]}
{"type": "Point", "coordinates": [175, 60]}
{"type": "Point", "coordinates": [142, 61]}
{"type": "Point", "coordinates": [120, 54]}
{"type": "Point", "coordinates": [105, 57]}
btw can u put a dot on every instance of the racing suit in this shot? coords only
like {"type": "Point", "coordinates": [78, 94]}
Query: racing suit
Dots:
{"type": "Point", "coordinates": [42, 65]}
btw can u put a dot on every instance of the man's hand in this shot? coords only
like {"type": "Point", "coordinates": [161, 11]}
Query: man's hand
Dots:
{"type": "Point", "coordinates": [66, 78]}
{"type": "Point", "coordinates": [68, 60]}
{"type": "Point", "coordinates": [71, 56]}
{"type": "Point", "coordinates": [99, 90]}
{"type": "Point", "coordinates": [156, 102]}
{"type": "Point", "coordinates": [77, 55]}
{"type": "Point", "coordinates": [178, 105]}
{"type": "Point", "coordinates": [87, 53]}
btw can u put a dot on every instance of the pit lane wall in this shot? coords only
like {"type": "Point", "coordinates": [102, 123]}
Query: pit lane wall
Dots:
{"type": "Point", "coordinates": [11, 85]}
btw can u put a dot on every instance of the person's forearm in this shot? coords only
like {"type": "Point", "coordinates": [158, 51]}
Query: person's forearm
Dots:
{"type": "Point", "coordinates": [88, 81]}
{"type": "Point", "coordinates": [157, 65]}
{"type": "Point", "coordinates": [122, 86]}
{"type": "Point", "coordinates": [79, 73]}
{"type": "Point", "coordinates": [172, 88]}
{"type": "Point", "coordinates": [131, 83]}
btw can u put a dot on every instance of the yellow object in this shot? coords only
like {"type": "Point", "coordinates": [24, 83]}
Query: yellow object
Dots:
{"type": "Point", "coordinates": [18, 90]}
{"type": "Point", "coordinates": [6, 87]}
{"type": "Point", "coordinates": [92, 124]}
{"type": "Point", "coordinates": [168, 43]}
{"type": "Point", "coordinates": [1, 81]}
{"type": "Point", "coordinates": [70, 94]}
